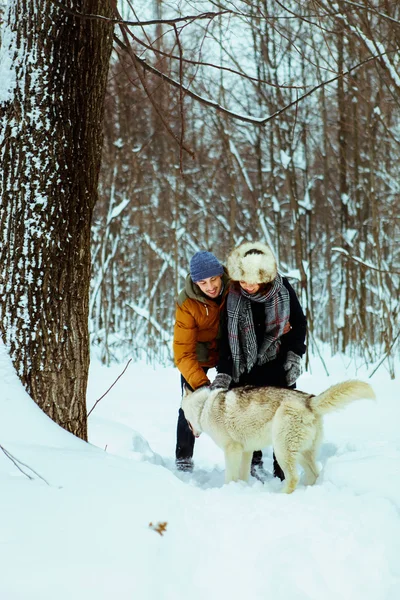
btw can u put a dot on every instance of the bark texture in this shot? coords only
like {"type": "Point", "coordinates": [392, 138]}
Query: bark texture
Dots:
{"type": "Point", "coordinates": [50, 148]}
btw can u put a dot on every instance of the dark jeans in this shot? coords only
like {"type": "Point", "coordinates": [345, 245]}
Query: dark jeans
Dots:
{"type": "Point", "coordinates": [184, 437]}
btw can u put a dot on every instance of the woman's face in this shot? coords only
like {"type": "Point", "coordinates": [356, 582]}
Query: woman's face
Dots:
{"type": "Point", "coordinates": [250, 288]}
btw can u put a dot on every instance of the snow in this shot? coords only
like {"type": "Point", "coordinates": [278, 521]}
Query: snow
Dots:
{"type": "Point", "coordinates": [85, 534]}
{"type": "Point", "coordinates": [241, 164]}
{"type": "Point", "coordinates": [7, 79]}
{"type": "Point", "coordinates": [285, 159]}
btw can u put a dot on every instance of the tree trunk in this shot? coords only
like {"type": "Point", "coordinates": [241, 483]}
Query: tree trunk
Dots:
{"type": "Point", "coordinates": [50, 141]}
{"type": "Point", "coordinates": [345, 325]}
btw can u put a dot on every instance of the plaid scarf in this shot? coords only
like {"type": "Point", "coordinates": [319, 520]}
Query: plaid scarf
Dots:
{"type": "Point", "coordinates": [241, 333]}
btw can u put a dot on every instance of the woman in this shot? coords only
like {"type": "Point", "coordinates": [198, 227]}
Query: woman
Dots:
{"type": "Point", "coordinates": [264, 326]}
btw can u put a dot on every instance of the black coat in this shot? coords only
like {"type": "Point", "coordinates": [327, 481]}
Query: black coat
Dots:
{"type": "Point", "coordinates": [272, 372]}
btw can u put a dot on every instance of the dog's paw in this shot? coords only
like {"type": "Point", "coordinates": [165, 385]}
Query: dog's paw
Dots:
{"type": "Point", "coordinates": [290, 485]}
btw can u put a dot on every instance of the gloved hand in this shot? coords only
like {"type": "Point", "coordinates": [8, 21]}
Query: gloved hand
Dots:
{"type": "Point", "coordinates": [293, 367]}
{"type": "Point", "coordinates": [221, 382]}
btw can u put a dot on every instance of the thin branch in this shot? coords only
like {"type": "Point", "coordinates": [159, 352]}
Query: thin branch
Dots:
{"type": "Point", "coordinates": [181, 99]}
{"type": "Point", "coordinates": [218, 107]}
{"type": "Point", "coordinates": [92, 17]}
{"type": "Point", "coordinates": [139, 62]}
{"type": "Point", "coordinates": [372, 9]}
{"type": "Point", "coordinates": [18, 462]}
{"type": "Point", "coordinates": [111, 386]}
{"type": "Point", "coordinates": [386, 355]}
{"type": "Point", "coordinates": [311, 334]}
{"type": "Point", "coordinates": [306, 17]}
{"type": "Point", "coordinates": [213, 66]}
{"type": "Point", "coordinates": [361, 262]}
{"type": "Point", "coordinates": [263, 16]}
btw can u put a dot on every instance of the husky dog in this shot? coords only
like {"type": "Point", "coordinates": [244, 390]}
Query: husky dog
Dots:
{"type": "Point", "coordinates": [249, 418]}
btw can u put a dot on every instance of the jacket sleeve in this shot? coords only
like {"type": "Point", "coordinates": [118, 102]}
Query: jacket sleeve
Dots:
{"type": "Point", "coordinates": [184, 347]}
{"type": "Point", "coordinates": [225, 355]}
{"type": "Point", "coordinates": [295, 339]}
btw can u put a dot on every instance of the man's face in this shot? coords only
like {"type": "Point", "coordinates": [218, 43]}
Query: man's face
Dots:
{"type": "Point", "coordinates": [211, 286]}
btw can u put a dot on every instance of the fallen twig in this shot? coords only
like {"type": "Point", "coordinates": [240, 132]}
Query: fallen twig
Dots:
{"type": "Point", "coordinates": [18, 462]}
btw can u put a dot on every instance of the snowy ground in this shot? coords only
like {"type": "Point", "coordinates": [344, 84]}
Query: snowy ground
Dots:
{"type": "Point", "coordinates": [85, 535]}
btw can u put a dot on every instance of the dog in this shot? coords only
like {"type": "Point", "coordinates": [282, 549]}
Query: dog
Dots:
{"type": "Point", "coordinates": [249, 418]}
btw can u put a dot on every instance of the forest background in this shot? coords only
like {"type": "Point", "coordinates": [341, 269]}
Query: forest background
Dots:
{"type": "Point", "coordinates": [210, 122]}
{"type": "Point", "coordinates": [319, 182]}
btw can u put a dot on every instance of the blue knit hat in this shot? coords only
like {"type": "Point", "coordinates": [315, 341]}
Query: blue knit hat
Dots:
{"type": "Point", "coordinates": [204, 265]}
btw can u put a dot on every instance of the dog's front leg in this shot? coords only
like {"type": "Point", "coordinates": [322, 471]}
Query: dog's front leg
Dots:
{"type": "Point", "coordinates": [233, 459]}
{"type": "Point", "coordinates": [245, 465]}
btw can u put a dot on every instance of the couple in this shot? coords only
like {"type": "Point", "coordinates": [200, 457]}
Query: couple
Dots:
{"type": "Point", "coordinates": [244, 320]}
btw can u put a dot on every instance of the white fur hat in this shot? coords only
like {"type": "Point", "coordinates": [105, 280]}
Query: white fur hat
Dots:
{"type": "Point", "coordinates": [252, 262]}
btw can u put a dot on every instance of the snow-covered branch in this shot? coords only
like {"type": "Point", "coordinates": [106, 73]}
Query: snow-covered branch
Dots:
{"type": "Point", "coordinates": [362, 262]}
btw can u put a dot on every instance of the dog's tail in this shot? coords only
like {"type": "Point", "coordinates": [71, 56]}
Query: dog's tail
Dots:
{"type": "Point", "coordinates": [340, 395]}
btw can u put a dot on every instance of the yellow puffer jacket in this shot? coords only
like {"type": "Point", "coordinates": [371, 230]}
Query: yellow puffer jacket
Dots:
{"type": "Point", "coordinates": [196, 332]}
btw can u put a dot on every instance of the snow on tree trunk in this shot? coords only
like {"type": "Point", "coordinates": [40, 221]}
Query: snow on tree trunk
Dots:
{"type": "Point", "coordinates": [54, 68]}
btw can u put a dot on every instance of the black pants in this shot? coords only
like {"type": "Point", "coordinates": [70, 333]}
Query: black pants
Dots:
{"type": "Point", "coordinates": [184, 437]}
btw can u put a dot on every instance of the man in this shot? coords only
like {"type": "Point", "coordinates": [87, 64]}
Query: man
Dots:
{"type": "Point", "coordinates": [196, 333]}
